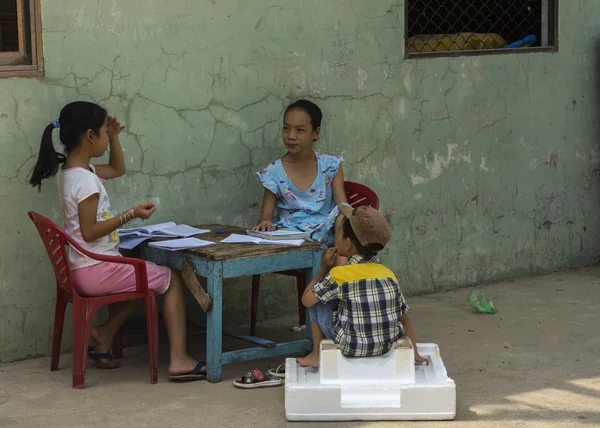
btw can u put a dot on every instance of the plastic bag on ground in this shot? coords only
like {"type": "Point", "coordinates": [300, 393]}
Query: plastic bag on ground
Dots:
{"type": "Point", "coordinates": [480, 304]}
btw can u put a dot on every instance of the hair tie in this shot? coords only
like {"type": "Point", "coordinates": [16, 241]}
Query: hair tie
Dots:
{"type": "Point", "coordinates": [55, 123]}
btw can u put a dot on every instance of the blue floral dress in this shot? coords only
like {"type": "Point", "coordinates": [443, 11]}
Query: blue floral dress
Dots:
{"type": "Point", "coordinates": [312, 210]}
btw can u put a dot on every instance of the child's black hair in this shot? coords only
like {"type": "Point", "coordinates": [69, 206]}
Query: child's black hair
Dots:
{"type": "Point", "coordinates": [75, 119]}
{"type": "Point", "coordinates": [364, 250]}
{"type": "Point", "coordinates": [310, 108]}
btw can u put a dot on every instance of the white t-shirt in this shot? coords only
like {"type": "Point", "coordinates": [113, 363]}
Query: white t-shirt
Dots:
{"type": "Point", "coordinates": [76, 185]}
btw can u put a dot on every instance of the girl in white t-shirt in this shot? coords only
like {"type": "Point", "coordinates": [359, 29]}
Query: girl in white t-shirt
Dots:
{"type": "Point", "coordinates": [87, 132]}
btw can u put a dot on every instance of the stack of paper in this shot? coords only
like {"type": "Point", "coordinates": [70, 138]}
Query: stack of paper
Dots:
{"type": "Point", "coordinates": [280, 234]}
{"type": "Point", "coordinates": [130, 238]}
{"type": "Point", "coordinates": [181, 244]}
{"type": "Point", "coordinates": [245, 239]}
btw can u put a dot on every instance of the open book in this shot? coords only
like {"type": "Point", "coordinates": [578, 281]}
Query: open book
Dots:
{"type": "Point", "coordinates": [162, 230]}
{"type": "Point", "coordinates": [281, 234]}
{"type": "Point", "coordinates": [245, 239]}
{"type": "Point", "coordinates": [131, 238]}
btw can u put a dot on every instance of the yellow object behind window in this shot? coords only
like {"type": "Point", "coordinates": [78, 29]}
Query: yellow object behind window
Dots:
{"type": "Point", "coordinates": [454, 42]}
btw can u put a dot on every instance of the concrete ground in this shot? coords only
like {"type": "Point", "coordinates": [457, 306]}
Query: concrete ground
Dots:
{"type": "Point", "coordinates": [533, 364]}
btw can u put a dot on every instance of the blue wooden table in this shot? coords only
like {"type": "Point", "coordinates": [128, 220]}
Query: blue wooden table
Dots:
{"type": "Point", "coordinates": [222, 261]}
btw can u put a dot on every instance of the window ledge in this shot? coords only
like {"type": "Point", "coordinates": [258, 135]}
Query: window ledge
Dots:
{"type": "Point", "coordinates": [21, 71]}
{"type": "Point", "coordinates": [479, 52]}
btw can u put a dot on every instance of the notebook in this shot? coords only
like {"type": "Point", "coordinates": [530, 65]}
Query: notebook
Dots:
{"type": "Point", "coordinates": [234, 238]}
{"type": "Point", "coordinates": [130, 242]}
{"type": "Point", "coordinates": [181, 244]}
{"type": "Point", "coordinates": [162, 230]}
{"type": "Point", "coordinates": [146, 230]}
{"type": "Point", "coordinates": [281, 234]}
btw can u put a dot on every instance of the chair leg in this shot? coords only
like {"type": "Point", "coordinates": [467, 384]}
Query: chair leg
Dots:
{"type": "Point", "coordinates": [152, 326]}
{"type": "Point", "coordinates": [119, 339]}
{"type": "Point", "coordinates": [301, 286]}
{"type": "Point", "coordinates": [83, 315]}
{"type": "Point", "coordinates": [254, 307]}
{"type": "Point", "coordinates": [59, 321]}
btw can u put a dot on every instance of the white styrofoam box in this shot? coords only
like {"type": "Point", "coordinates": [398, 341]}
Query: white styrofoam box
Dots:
{"type": "Point", "coordinates": [395, 367]}
{"type": "Point", "coordinates": [388, 387]}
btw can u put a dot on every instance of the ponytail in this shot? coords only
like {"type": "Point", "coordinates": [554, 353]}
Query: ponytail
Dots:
{"type": "Point", "coordinates": [48, 160]}
{"type": "Point", "coordinates": [75, 119]}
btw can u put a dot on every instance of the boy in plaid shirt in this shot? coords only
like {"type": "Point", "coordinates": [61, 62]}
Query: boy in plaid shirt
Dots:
{"type": "Point", "coordinates": [359, 305]}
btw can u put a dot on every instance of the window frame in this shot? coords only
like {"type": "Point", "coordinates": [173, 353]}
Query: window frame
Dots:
{"type": "Point", "coordinates": [552, 26]}
{"type": "Point", "coordinates": [30, 44]}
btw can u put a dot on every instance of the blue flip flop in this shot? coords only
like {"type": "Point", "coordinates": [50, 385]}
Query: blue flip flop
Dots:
{"type": "Point", "coordinates": [99, 356]}
{"type": "Point", "coordinates": [193, 375]}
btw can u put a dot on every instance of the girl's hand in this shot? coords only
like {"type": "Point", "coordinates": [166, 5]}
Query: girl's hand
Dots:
{"type": "Point", "coordinates": [144, 210]}
{"type": "Point", "coordinates": [114, 127]}
{"type": "Point", "coordinates": [328, 260]}
{"type": "Point", "coordinates": [264, 226]}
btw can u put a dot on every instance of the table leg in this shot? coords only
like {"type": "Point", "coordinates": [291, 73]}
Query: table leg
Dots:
{"type": "Point", "coordinates": [310, 274]}
{"type": "Point", "coordinates": [214, 323]}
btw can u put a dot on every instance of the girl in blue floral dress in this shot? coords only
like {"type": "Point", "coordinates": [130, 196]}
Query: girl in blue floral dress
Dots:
{"type": "Point", "coordinates": [304, 187]}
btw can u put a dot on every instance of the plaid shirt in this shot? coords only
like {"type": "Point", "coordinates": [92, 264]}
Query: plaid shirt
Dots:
{"type": "Point", "coordinates": [367, 319]}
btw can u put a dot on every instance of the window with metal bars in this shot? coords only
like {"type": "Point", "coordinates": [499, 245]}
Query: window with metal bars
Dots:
{"type": "Point", "coordinates": [475, 27]}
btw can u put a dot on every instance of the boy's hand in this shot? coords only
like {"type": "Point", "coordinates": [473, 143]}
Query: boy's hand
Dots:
{"type": "Point", "coordinates": [328, 259]}
{"type": "Point", "coordinates": [421, 360]}
{"type": "Point", "coordinates": [265, 226]}
{"type": "Point", "coordinates": [144, 210]}
{"type": "Point", "coordinates": [114, 127]}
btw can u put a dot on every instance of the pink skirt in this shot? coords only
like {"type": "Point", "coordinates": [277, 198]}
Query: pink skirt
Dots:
{"type": "Point", "coordinates": [112, 278]}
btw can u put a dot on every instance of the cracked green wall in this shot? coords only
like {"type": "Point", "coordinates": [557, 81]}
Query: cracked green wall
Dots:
{"type": "Point", "coordinates": [486, 166]}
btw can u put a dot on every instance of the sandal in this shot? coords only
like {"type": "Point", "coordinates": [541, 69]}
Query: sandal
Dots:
{"type": "Point", "coordinates": [99, 356]}
{"type": "Point", "coordinates": [193, 375]}
{"type": "Point", "coordinates": [256, 379]}
{"type": "Point", "coordinates": [278, 372]}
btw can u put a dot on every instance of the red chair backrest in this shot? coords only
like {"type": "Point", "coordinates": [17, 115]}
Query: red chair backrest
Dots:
{"type": "Point", "coordinates": [55, 239]}
{"type": "Point", "coordinates": [360, 195]}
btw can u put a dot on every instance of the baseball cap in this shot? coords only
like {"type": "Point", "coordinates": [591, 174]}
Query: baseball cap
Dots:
{"type": "Point", "coordinates": [368, 224]}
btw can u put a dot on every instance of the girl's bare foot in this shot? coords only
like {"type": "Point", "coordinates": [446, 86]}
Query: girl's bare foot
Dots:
{"type": "Point", "coordinates": [182, 366]}
{"type": "Point", "coordinates": [311, 360]}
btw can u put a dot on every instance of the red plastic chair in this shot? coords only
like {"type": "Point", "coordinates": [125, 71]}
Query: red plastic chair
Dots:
{"type": "Point", "coordinates": [84, 308]}
{"type": "Point", "coordinates": [358, 195]}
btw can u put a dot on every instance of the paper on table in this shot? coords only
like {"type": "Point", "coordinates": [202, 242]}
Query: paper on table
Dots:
{"type": "Point", "coordinates": [183, 230]}
{"type": "Point", "coordinates": [279, 234]}
{"type": "Point", "coordinates": [234, 238]}
{"type": "Point", "coordinates": [282, 232]}
{"type": "Point", "coordinates": [181, 244]}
